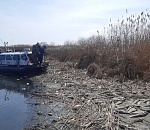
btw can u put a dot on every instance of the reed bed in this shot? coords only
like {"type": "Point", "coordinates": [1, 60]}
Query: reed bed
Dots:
{"type": "Point", "coordinates": [123, 47]}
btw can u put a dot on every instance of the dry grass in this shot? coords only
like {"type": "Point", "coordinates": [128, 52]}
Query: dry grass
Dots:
{"type": "Point", "coordinates": [123, 51]}
{"type": "Point", "coordinates": [92, 69]}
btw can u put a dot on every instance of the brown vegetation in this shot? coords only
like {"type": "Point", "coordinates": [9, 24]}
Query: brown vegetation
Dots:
{"type": "Point", "coordinates": [92, 69]}
{"type": "Point", "coordinates": [124, 51]}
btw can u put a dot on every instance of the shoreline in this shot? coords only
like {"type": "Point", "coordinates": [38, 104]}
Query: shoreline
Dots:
{"type": "Point", "coordinates": [73, 100]}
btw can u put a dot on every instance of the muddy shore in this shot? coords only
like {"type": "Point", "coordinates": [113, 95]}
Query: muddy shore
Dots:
{"type": "Point", "coordinates": [66, 98]}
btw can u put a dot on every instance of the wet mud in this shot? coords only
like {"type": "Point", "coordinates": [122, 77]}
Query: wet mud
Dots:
{"type": "Point", "coordinates": [66, 98]}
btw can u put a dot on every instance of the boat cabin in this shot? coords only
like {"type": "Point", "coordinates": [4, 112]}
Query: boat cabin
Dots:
{"type": "Point", "coordinates": [15, 58]}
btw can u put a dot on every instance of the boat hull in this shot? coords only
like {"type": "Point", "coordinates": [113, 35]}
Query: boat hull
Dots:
{"type": "Point", "coordinates": [30, 70]}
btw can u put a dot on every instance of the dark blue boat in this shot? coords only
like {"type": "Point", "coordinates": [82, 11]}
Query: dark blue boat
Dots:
{"type": "Point", "coordinates": [20, 64]}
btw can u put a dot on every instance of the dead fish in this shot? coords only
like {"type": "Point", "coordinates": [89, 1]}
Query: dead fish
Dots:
{"type": "Point", "coordinates": [137, 120]}
{"type": "Point", "coordinates": [139, 102]}
{"type": "Point", "coordinates": [138, 112]}
{"type": "Point", "coordinates": [37, 103]}
{"type": "Point", "coordinates": [122, 112]}
{"type": "Point", "coordinates": [139, 115]}
{"type": "Point", "coordinates": [76, 107]}
{"type": "Point", "coordinates": [119, 102]}
{"type": "Point", "coordinates": [132, 110]}
{"type": "Point", "coordinates": [39, 113]}
{"type": "Point", "coordinates": [72, 121]}
{"type": "Point", "coordinates": [147, 109]}
{"type": "Point", "coordinates": [123, 107]}
{"type": "Point", "coordinates": [50, 114]}
{"type": "Point", "coordinates": [88, 125]}
{"type": "Point", "coordinates": [122, 126]}
{"type": "Point", "coordinates": [148, 102]}
{"type": "Point", "coordinates": [145, 101]}
{"type": "Point", "coordinates": [136, 101]}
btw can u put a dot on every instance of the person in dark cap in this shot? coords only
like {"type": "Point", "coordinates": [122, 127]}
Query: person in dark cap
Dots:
{"type": "Point", "coordinates": [41, 53]}
{"type": "Point", "coordinates": [35, 53]}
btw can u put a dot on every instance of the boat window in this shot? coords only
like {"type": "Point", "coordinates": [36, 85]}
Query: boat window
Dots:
{"type": "Point", "coordinates": [2, 57]}
{"type": "Point", "coordinates": [23, 57]}
{"type": "Point", "coordinates": [30, 57]}
{"type": "Point", "coordinates": [16, 57]}
{"type": "Point", "coordinates": [8, 57]}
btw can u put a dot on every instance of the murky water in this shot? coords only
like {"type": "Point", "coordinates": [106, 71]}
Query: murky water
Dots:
{"type": "Point", "coordinates": [13, 106]}
{"type": "Point", "coordinates": [19, 109]}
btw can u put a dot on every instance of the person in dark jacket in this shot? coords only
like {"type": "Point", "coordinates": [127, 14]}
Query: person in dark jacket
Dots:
{"type": "Point", "coordinates": [41, 53]}
{"type": "Point", "coordinates": [35, 53]}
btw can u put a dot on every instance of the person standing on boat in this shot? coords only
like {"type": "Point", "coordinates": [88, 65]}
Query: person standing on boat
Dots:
{"type": "Point", "coordinates": [35, 53]}
{"type": "Point", "coordinates": [41, 53]}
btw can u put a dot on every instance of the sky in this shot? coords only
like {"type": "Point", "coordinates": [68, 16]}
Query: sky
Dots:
{"type": "Point", "coordinates": [58, 21]}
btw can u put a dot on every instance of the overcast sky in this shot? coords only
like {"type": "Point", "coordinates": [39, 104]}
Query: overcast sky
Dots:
{"type": "Point", "coordinates": [31, 21]}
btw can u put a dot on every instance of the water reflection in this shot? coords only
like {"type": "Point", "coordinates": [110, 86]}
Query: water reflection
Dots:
{"type": "Point", "coordinates": [13, 107]}
{"type": "Point", "coordinates": [15, 84]}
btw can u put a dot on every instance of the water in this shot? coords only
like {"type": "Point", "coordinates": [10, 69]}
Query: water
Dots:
{"type": "Point", "coordinates": [13, 106]}
{"type": "Point", "coordinates": [18, 107]}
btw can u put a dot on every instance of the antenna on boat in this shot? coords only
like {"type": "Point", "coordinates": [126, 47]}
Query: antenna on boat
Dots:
{"type": "Point", "coordinates": [14, 49]}
{"type": "Point", "coordinates": [1, 40]}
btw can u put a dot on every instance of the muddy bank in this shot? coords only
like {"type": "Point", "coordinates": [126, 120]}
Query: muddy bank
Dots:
{"type": "Point", "coordinates": [66, 98]}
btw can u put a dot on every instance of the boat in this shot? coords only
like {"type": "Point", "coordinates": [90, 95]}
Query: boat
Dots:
{"type": "Point", "coordinates": [20, 64]}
